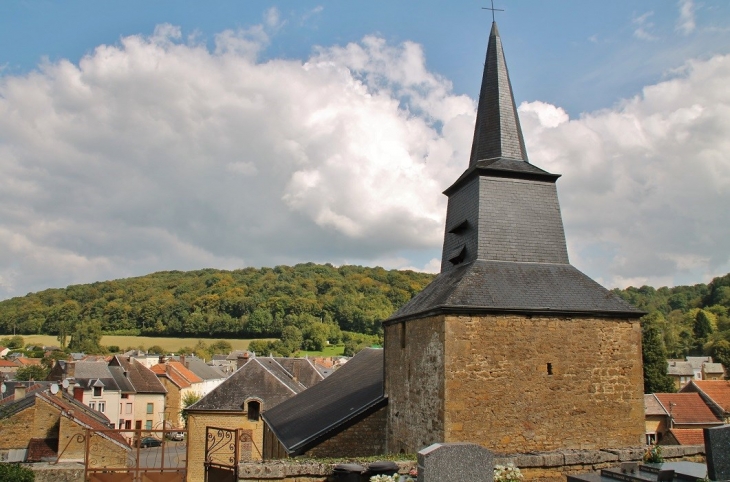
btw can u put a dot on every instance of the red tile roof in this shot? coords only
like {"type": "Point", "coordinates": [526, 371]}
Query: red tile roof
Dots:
{"type": "Point", "coordinates": [27, 361]}
{"type": "Point", "coordinates": [687, 408]}
{"type": "Point", "coordinates": [718, 391]}
{"type": "Point", "coordinates": [177, 373]}
{"type": "Point", "coordinates": [688, 436]}
{"type": "Point", "coordinates": [7, 364]}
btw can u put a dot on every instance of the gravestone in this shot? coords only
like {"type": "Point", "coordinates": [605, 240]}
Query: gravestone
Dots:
{"type": "Point", "coordinates": [455, 461]}
{"type": "Point", "coordinates": [717, 452]}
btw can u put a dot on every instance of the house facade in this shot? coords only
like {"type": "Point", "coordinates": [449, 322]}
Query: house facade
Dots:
{"type": "Point", "coordinates": [259, 385]}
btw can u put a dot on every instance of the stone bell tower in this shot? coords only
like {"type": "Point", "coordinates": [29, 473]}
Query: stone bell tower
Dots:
{"type": "Point", "coordinates": [511, 347]}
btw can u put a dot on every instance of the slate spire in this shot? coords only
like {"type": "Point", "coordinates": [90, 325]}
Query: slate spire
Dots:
{"type": "Point", "coordinates": [497, 133]}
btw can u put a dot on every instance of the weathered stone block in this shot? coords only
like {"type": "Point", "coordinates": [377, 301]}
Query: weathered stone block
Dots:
{"type": "Point", "coordinates": [455, 461]}
{"type": "Point", "coordinates": [717, 451]}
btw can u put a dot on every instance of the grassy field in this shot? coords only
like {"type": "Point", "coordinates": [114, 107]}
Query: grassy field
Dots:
{"type": "Point", "coordinates": [332, 350]}
{"type": "Point", "coordinates": [168, 344]}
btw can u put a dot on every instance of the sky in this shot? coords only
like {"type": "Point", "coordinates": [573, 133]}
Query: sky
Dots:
{"type": "Point", "coordinates": [141, 136]}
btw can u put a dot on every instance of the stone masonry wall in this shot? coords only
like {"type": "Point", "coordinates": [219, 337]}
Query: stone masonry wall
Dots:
{"type": "Point", "coordinates": [16, 431]}
{"type": "Point", "coordinates": [364, 438]}
{"type": "Point", "coordinates": [197, 423]}
{"type": "Point", "coordinates": [414, 384]}
{"type": "Point", "coordinates": [516, 384]}
{"type": "Point", "coordinates": [536, 467]}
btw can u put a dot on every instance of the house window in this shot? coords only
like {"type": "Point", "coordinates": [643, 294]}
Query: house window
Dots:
{"type": "Point", "coordinates": [138, 424]}
{"type": "Point", "coordinates": [650, 438]}
{"type": "Point", "coordinates": [549, 368]}
{"type": "Point", "coordinates": [129, 408]}
{"type": "Point", "coordinates": [125, 395]}
{"type": "Point", "coordinates": [121, 423]}
{"type": "Point", "coordinates": [121, 408]}
{"type": "Point", "coordinates": [150, 408]}
{"type": "Point", "coordinates": [97, 391]}
{"type": "Point", "coordinates": [92, 405]}
{"type": "Point", "coordinates": [148, 425]}
{"type": "Point", "coordinates": [254, 410]}
{"type": "Point", "coordinates": [102, 406]}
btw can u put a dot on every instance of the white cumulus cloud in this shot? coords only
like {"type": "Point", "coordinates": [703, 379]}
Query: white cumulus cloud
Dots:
{"type": "Point", "coordinates": [646, 184]}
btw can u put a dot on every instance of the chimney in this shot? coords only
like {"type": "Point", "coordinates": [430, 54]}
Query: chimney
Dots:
{"type": "Point", "coordinates": [182, 360]}
{"type": "Point", "coordinates": [70, 369]}
{"type": "Point", "coordinates": [19, 391]}
{"type": "Point", "coordinates": [241, 360]}
{"type": "Point", "coordinates": [162, 359]}
{"type": "Point", "coordinates": [79, 394]}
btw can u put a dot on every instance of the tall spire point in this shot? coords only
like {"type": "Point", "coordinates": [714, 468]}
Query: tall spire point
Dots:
{"type": "Point", "coordinates": [497, 133]}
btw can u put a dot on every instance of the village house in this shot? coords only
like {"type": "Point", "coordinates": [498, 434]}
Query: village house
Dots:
{"type": "Point", "coordinates": [211, 376]}
{"type": "Point", "coordinates": [144, 404]}
{"type": "Point", "coordinates": [715, 393]}
{"type": "Point", "coordinates": [656, 419]}
{"type": "Point", "coordinates": [47, 424]}
{"type": "Point", "coordinates": [694, 368]}
{"type": "Point", "coordinates": [687, 414]}
{"type": "Point", "coordinates": [92, 383]}
{"type": "Point", "coordinates": [260, 384]}
{"type": "Point", "coordinates": [181, 384]}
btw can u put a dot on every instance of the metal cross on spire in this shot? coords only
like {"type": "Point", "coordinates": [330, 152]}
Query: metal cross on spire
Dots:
{"type": "Point", "coordinates": [493, 10]}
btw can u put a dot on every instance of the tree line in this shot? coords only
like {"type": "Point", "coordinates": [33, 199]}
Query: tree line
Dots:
{"type": "Point", "coordinates": [320, 301]}
{"type": "Point", "coordinates": [681, 321]}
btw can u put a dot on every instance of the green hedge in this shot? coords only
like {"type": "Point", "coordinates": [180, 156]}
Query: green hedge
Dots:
{"type": "Point", "coordinates": [15, 473]}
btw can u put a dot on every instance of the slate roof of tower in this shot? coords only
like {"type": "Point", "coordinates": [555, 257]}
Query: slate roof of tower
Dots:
{"type": "Point", "coordinates": [352, 390]}
{"type": "Point", "coordinates": [504, 245]}
{"type": "Point", "coordinates": [141, 378]}
{"type": "Point", "coordinates": [497, 132]}
{"type": "Point", "coordinates": [499, 286]}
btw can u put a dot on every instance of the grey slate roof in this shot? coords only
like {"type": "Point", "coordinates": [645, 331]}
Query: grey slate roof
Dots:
{"type": "Point", "coordinates": [504, 242]}
{"type": "Point", "coordinates": [497, 132]}
{"type": "Point", "coordinates": [680, 368]}
{"type": "Point", "coordinates": [124, 384]}
{"type": "Point", "coordinates": [141, 378]}
{"type": "Point", "coordinates": [498, 286]}
{"type": "Point", "coordinates": [263, 378]}
{"type": "Point", "coordinates": [89, 374]}
{"type": "Point", "coordinates": [713, 368]}
{"type": "Point", "coordinates": [200, 368]}
{"type": "Point", "coordinates": [309, 417]}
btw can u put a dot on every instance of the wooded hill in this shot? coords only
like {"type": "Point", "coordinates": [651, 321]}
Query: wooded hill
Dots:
{"type": "Point", "coordinates": [246, 303]}
{"type": "Point", "coordinates": [255, 303]}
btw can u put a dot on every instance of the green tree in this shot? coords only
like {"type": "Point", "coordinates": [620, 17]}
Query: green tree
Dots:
{"type": "Point", "coordinates": [292, 338]}
{"type": "Point", "coordinates": [221, 347]}
{"type": "Point", "coordinates": [13, 342]}
{"type": "Point", "coordinates": [654, 355]}
{"type": "Point", "coordinates": [702, 329]}
{"type": "Point", "coordinates": [86, 337]}
{"type": "Point", "coordinates": [187, 400]}
{"type": "Point", "coordinates": [31, 372]}
{"type": "Point", "coordinates": [156, 350]}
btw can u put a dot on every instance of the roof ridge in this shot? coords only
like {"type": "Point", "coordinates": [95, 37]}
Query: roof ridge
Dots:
{"type": "Point", "coordinates": [274, 374]}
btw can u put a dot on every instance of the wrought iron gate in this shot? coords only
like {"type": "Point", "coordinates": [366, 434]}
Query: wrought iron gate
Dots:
{"type": "Point", "coordinates": [222, 454]}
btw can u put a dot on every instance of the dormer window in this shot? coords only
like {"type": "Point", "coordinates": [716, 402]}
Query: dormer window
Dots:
{"type": "Point", "coordinates": [97, 391]}
{"type": "Point", "coordinates": [457, 255]}
{"type": "Point", "coordinates": [253, 407]}
{"type": "Point", "coordinates": [460, 228]}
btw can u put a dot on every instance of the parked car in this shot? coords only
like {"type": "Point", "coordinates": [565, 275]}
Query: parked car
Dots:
{"type": "Point", "coordinates": [150, 442]}
{"type": "Point", "coordinates": [176, 436]}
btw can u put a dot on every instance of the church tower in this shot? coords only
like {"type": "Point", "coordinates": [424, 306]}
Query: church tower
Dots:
{"type": "Point", "coordinates": [511, 347]}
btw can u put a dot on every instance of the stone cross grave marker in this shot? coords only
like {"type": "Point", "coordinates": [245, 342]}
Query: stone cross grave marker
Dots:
{"type": "Point", "coordinates": [717, 452]}
{"type": "Point", "coordinates": [455, 461]}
